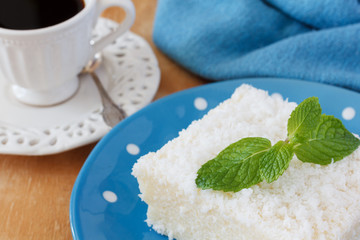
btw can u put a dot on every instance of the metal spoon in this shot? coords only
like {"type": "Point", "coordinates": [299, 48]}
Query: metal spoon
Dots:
{"type": "Point", "coordinates": [112, 113]}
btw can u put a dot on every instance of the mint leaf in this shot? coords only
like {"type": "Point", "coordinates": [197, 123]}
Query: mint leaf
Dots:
{"type": "Point", "coordinates": [304, 119]}
{"type": "Point", "coordinates": [329, 141]}
{"type": "Point", "coordinates": [236, 167]}
{"type": "Point", "coordinates": [313, 137]}
{"type": "Point", "coordinates": [276, 161]}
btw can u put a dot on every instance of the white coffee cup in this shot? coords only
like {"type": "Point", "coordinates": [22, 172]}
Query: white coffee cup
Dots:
{"type": "Point", "coordinates": [42, 65]}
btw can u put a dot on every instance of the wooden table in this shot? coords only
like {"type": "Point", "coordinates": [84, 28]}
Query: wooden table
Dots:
{"type": "Point", "coordinates": [35, 190]}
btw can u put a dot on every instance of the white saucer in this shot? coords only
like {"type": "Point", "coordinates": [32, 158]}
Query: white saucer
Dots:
{"type": "Point", "coordinates": [129, 72]}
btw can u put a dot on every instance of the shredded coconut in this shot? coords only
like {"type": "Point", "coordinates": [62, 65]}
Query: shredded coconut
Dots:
{"type": "Point", "coordinates": [308, 202]}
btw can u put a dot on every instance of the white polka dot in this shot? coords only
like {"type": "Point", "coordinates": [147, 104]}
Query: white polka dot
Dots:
{"type": "Point", "coordinates": [132, 149]}
{"type": "Point", "coordinates": [348, 113]}
{"type": "Point", "coordinates": [200, 103]}
{"type": "Point", "coordinates": [110, 196]}
{"type": "Point", "coordinates": [277, 96]}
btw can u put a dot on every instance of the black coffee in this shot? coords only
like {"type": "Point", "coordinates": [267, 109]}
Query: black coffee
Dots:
{"type": "Point", "coordinates": [33, 14]}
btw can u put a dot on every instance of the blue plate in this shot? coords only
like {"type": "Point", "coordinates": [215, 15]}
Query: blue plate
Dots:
{"type": "Point", "coordinates": [104, 202]}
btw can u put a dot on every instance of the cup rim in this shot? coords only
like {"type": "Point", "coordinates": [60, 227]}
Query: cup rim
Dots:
{"type": "Point", "coordinates": [59, 26]}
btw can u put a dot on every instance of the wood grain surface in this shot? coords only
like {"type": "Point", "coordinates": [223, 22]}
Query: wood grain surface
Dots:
{"type": "Point", "coordinates": [35, 190]}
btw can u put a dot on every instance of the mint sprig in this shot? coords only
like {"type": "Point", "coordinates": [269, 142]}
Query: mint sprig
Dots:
{"type": "Point", "coordinates": [313, 137]}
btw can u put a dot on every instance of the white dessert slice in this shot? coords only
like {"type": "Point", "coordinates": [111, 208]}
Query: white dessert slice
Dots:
{"type": "Point", "coordinates": [308, 201]}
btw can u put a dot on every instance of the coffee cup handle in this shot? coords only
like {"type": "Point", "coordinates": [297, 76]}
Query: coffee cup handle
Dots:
{"type": "Point", "coordinates": [125, 25]}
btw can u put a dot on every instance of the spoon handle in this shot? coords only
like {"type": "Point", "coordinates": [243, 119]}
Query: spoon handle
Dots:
{"type": "Point", "coordinates": [112, 114]}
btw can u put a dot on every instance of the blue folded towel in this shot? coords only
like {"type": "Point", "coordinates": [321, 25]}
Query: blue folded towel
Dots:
{"type": "Point", "coordinates": [315, 40]}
